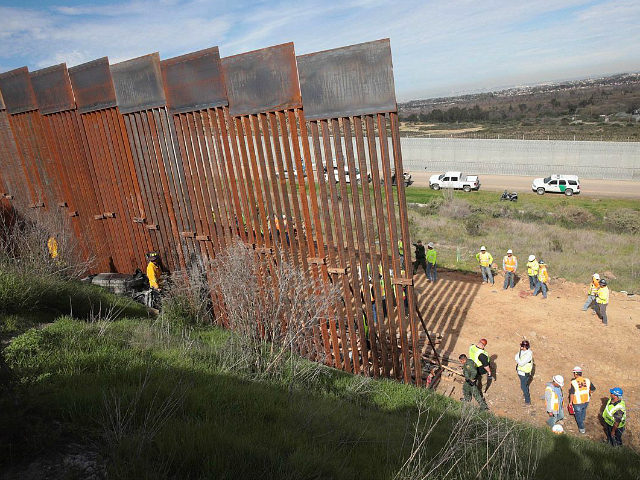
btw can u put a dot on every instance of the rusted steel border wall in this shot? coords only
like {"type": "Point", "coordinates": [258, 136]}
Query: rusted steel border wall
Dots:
{"type": "Point", "coordinates": [291, 155]}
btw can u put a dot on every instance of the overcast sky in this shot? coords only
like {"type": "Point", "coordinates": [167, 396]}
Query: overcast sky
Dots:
{"type": "Point", "coordinates": [441, 47]}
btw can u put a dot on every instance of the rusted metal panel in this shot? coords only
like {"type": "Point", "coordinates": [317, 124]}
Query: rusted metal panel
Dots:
{"type": "Point", "coordinates": [138, 84]}
{"type": "Point", "coordinates": [2, 105]}
{"type": "Point", "coordinates": [17, 91]}
{"type": "Point", "coordinates": [348, 81]}
{"type": "Point", "coordinates": [194, 81]}
{"type": "Point", "coordinates": [263, 80]}
{"type": "Point", "coordinates": [93, 85]}
{"type": "Point", "coordinates": [52, 89]}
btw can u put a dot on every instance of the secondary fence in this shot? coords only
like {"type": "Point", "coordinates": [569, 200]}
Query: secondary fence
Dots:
{"type": "Point", "coordinates": [540, 158]}
{"type": "Point", "coordinates": [187, 155]}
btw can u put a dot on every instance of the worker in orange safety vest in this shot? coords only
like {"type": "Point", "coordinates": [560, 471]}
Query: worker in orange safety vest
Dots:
{"type": "Point", "coordinates": [509, 266]}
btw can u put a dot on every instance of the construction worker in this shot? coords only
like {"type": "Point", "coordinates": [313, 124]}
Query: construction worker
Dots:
{"type": "Point", "coordinates": [431, 262]}
{"type": "Point", "coordinates": [421, 257]}
{"type": "Point", "coordinates": [52, 246]}
{"type": "Point", "coordinates": [554, 400]}
{"type": "Point", "coordinates": [615, 416]}
{"type": "Point", "coordinates": [543, 279]}
{"type": "Point", "coordinates": [485, 260]}
{"type": "Point", "coordinates": [480, 356]}
{"type": "Point", "coordinates": [592, 293]}
{"type": "Point", "coordinates": [579, 396]}
{"type": "Point", "coordinates": [524, 367]}
{"type": "Point", "coordinates": [532, 271]}
{"type": "Point", "coordinates": [154, 272]}
{"type": "Point", "coordinates": [470, 387]}
{"type": "Point", "coordinates": [602, 300]}
{"type": "Point", "coordinates": [401, 252]}
{"type": "Point", "coordinates": [509, 266]}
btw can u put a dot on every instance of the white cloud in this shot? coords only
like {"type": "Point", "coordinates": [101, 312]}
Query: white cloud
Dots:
{"type": "Point", "coordinates": [438, 46]}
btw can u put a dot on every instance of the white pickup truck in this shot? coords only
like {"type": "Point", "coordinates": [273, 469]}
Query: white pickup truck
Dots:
{"type": "Point", "coordinates": [455, 180]}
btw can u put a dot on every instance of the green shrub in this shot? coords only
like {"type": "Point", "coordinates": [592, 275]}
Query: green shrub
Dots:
{"type": "Point", "coordinates": [473, 225]}
{"type": "Point", "coordinates": [624, 220]}
{"type": "Point", "coordinates": [573, 216]}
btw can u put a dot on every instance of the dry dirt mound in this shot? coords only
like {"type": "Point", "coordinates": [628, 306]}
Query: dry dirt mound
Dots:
{"type": "Point", "coordinates": [561, 335]}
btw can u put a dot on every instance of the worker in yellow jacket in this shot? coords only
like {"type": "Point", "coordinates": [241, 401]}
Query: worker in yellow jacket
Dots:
{"type": "Point", "coordinates": [485, 259]}
{"type": "Point", "coordinates": [602, 300]}
{"type": "Point", "coordinates": [543, 279]}
{"type": "Point", "coordinates": [592, 293]}
{"type": "Point", "coordinates": [532, 271]}
{"type": "Point", "coordinates": [52, 246]}
{"type": "Point", "coordinates": [154, 272]}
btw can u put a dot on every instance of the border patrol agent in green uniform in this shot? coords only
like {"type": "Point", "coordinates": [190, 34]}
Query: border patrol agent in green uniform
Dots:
{"type": "Point", "coordinates": [470, 385]}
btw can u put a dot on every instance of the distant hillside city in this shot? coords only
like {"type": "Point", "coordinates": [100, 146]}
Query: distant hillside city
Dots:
{"type": "Point", "coordinates": [615, 97]}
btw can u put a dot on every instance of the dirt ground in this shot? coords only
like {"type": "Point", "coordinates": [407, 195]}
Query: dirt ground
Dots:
{"type": "Point", "coordinates": [562, 336]}
{"type": "Point", "coordinates": [522, 184]}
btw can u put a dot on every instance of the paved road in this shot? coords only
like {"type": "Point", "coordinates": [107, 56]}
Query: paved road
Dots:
{"type": "Point", "coordinates": [589, 187]}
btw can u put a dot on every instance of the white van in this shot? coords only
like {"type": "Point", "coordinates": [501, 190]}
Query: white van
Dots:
{"type": "Point", "coordinates": [567, 184]}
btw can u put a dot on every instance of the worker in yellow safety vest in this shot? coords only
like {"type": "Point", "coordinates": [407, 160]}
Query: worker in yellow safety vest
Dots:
{"type": "Point", "coordinates": [554, 400]}
{"type": "Point", "coordinates": [532, 271]}
{"type": "Point", "coordinates": [52, 246]}
{"type": "Point", "coordinates": [543, 280]}
{"type": "Point", "coordinates": [579, 396]}
{"type": "Point", "coordinates": [509, 266]}
{"type": "Point", "coordinates": [524, 367]}
{"type": "Point", "coordinates": [602, 300]}
{"type": "Point", "coordinates": [154, 272]}
{"type": "Point", "coordinates": [480, 356]}
{"type": "Point", "coordinates": [485, 259]}
{"type": "Point", "coordinates": [615, 416]}
{"type": "Point", "coordinates": [592, 293]}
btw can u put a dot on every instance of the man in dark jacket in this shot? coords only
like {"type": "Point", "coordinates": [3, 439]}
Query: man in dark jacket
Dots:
{"type": "Point", "coordinates": [470, 385]}
{"type": "Point", "coordinates": [421, 257]}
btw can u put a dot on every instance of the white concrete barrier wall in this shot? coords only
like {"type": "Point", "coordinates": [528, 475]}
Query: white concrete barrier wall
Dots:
{"type": "Point", "coordinates": [606, 160]}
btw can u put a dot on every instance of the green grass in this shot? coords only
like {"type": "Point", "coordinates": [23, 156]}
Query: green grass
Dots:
{"type": "Point", "coordinates": [576, 236]}
{"type": "Point", "coordinates": [71, 374]}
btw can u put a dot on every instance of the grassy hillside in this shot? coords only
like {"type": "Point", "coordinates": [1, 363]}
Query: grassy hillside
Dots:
{"type": "Point", "coordinates": [576, 236]}
{"type": "Point", "coordinates": [142, 402]}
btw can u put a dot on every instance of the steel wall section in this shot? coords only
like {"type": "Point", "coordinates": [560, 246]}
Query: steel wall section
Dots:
{"type": "Point", "coordinates": [16, 180]}
{"type": "Point", "coordinates": [138, 84]}
{"type": "Point", "coordinates": [52, 89]}
{"type": "Point", "coordinates": [17, 91]}
{"type": "Point", "coordinates": [93, 86]}
{"type": "Point", "coordinates": [263, 80]}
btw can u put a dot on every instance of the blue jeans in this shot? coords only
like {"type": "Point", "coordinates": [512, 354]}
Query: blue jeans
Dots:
{"type": "Point", "coordinates": [487, 274]}
{"type": "Point", "coordinates": [431, 271]}
{"type": "Point", "coordinates": [580, 412]}
{"type": "Point", "coordinates": [509, 279]}
{"type": "Point", "coordinates": [551, 421]}
{"type": "Point", "coordinates": [615, 440]}
{"type": "Point", "coordinates": [591, 302]}
{"type": "Point", "coordinates": [533, 281]}
{"type": "Point", "coordinates": [524, 385]}
{"type": "Point", "coordinates": [541, 287]}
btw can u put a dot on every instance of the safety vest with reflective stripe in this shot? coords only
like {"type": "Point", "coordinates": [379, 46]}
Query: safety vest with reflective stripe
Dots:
{"type": "Point", "coordinates": [582, 390]}
{"type": "Point", "coordinates": [484, 258]}
{"type": "Point", "coordinates": [474, 354]}
{"type": "Point", "coordinates": [555, 401]}
{"type": "Point", "coordinates": [431, 256]}
{"type": "Point", "coordinates": [610, 409]}
{"type": "Point", "coordinates": [532, 268]}
{"type": "Point", "coordinates": [400, 247]}
{"type": "Point", "coordinates": [603, 295]}
{"type": "Point", "coordinates": [52, 245]}
{"type": "Point", "coordinates": [593, 288]}
{"type": "Point", "coordinates": [510, 263]}
{"type": "Point", "coordinates": [543, 274]}
{"type": "Point", "coordinates": [527, 367]}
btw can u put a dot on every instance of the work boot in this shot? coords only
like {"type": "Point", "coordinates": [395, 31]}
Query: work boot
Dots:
{"type": "Point", "coordinates": [582, 430]}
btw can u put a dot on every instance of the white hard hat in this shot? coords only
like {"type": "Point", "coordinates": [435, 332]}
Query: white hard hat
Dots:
{"type": "Point", "coordinates": [532, 258]}
{"type": "Point", "coordinates": [483, 247]}
{"type": "Point", "coordinates": [596, 276]}
{"type": "Point", "coordinates": [509, 251]}
{"type": "Point", "coordinates": [559, 379]}
{"type": "Point", "coordinates": [557, 429]}
{"type": "Point", "coordinates": [430, 244]}
{"type": "Point", "coordinates": [577, 369]}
